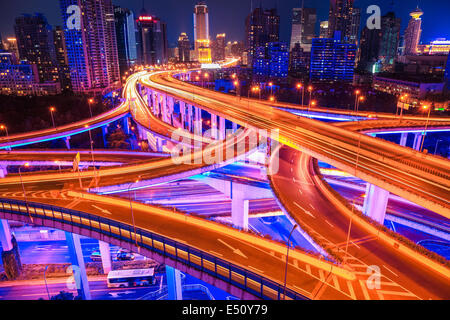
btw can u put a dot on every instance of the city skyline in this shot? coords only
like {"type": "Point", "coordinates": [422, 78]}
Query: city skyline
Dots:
{"type": "Point", "coordinates": [179, 17]}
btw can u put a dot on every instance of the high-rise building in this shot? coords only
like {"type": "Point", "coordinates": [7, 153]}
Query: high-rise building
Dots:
{"type": "Point", "coordinates": [35, 42]}
{"type": "Point", "coordinates": [303, 27]}
{"type": "Point", "coordinates": [201, 32]}
{"type": "Point", "coordinates": [332, 60]}
{"type": "Point", "coordinates": [378, 47]}
{"type": "Point", "coordinates": [218, 48]}
{"type": "Point", "coordinates": [271, 61]}
{"type": "Point", "coordinates": [299, 61]}
{"type": "Point", "coordinates": [1, 43]}
{"type": "Point", "coordinates": [91, 44]}
{"type": "Point", "coordinates": [184, 48]}
{"type": "Point", "coordinates": [61, 58]}
{"type": "Point", "coordinates": [341, 19]}
{"type": "Point", "coordinates": [262, 27]}
{"type": "Point", "coordinates": [10, 45]}
{"type": "Point", "coordinates": [413, 32]}
{"type": "Point", "coordinates": [126, 38]}
{"type": "Point", "coordinates": [324, 29]}
{"type": "Point", "coordinates": [355, 25]}
{"type": "Point", "coordinates": [152, 40]}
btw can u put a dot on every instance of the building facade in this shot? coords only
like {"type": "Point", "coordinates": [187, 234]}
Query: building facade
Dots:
{"type": "Point", "coordinates": [201, 33]}
{"type": "Point", "coordinates": [126, 38]}
{"type": "Point", "coordinates": [332, 60]}
{"type": "Point", "coordinates": [342, 20]}
{"type": "Point", "coordinates": [413, 32]}
{"type": "Point", "coordinates": [218, 47]}
{"type": "Point", "coordinates": [152, 45]}
{"type": "Point", "coordinates": [304, 22]}
{"type": "Point", "coordinates": [184, 48]}
{"type": "Point", "coordinates": [61, 58]}
{"type": "Point", "coordinates": [91, 44]}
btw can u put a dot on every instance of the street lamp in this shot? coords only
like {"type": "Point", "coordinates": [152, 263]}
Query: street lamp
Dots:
{"type": "Point", "coordinates": [361, 99]}
{"type": "Point", "coordinates": [90, 102]}
{"type": "Point", "coordinates": [287, 259]}
{"type": "Point", "coordinates": [3, 127]}
{"type": "Point", "coordinates": [237, 88]}
{"type": "Point", "coordinates": [271, 88]}
{"type": "Point", "coordinates": [310, 89]}
{"type": "Point", "coordinates": [357, 93]}
{"type": "Point", "coordinates": [59, 165]}
{"type": "Point", "coordinates": [435, 148]}
{"type": "Point", "coordinates": [45, 280]}
{"type": "Point", "coordinates": [92, 152]}
{"type": "Point", "coordinates": [52, 109]}
{"type": "Point", "coordinates": [26, 165]}
{"type": "Point", "coordinates": [300, 86]}
{"type": "Point", "coordinates": [131, 209]}
{"type": "Point", "coordinates": [424, 133]}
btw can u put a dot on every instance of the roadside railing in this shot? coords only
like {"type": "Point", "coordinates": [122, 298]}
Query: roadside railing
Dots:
{"type": "Point", "coordinates": [248, 281]}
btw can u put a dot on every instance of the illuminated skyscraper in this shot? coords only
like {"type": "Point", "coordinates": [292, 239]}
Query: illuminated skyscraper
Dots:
{"type": "Point", "coordinates": [341, 20]}
{"type": "Point", "coordinates": [413, 32]}
{"type": "Point", "coordinates": [91, 44]}
{"type": "Point", "coordinates": [447, 74]}
{"type": "Point", "coordinates": [126, 38]}
{"type": "Point", "coordinates": [303, 27]}
{"type": "Point", "coordinates": [218, 47]}
{"type": "Point", "coordinates": [262, 27]}
{"type": "Point", "coordinates": [332, 60]}
{"type": "Point", "coordinates": [61, 58]}
{"type": "Point", "coordinates": [35, 42]}
{"type": "Point", "coordinates": [152, 40]}
{"type": "Point", "coordinates": [201, 32]}
{"type": "Point", "coordinates": [184, 48]}
{"type": "Point", "coordinates": [324, 29]}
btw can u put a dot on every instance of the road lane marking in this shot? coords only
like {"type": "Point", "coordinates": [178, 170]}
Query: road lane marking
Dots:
{"type": "Point", "coordinates": [390, 270]}
{"type": "Point", "coordinates": [396, 293]}
{"type": "Point", "coordinates": [329, 223]}
{"type": "Point", "coordinates": [305, 211]}
{"type": "Point", "coordinates": [235, 250]}
{"type": "Point", "coordinates": [257, 270]}
{"type": "Point", "coordinates": [102, 210]}
{"type": "Point", "coordinates": [351, 291]}
{"type": "Point", "coordinates": [364, 290]}
{"type": "Point", "coordinates": [336, 283]}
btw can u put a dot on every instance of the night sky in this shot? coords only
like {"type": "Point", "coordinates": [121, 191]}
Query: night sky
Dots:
{"type": "Point", "coordinates": [229, 15]}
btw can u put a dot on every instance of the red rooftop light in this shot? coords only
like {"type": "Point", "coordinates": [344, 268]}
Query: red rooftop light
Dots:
{"type": "Point", "coordinates": [145, 18]}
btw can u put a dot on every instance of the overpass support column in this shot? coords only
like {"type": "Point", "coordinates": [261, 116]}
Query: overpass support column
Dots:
{"type": "Point", "coordinates": [78, 267]}
{"type": "Point", "coordinates": [106, 256]}
{"type": "Point", "coordinates": [104, 134]}
{"type": "Point", "coordinates": [375, 203]}
{"type": "Point", "coordinates": [222, 128]}
{"type": "Point", "coordinates": [189, 125]}
{"type": "Point", "coordinates": [10, 254]}
{"type": "Point", "coordinates": [239, 212]}
{"type": "Point", "coordinates": [214, 134]}
{"type": "Point", "coordinates": [159, 145]}
{"type": "Point", "coordinates": [149, 98]}
{"type": "Point", "coordinates": [164, 108]}
{"type": "Point", "coordinates": [67, 140]}
{"type": "Point", "coordinates": [418, 140]}
{"type": "Point", "coordinates": [404, 139]}
{"type": "Point", "coordinates": [126, 125]}
{"type": "Point", "coordinates": [183, 114]}
{"type": "Point", "coordinates": [174, 287]}
{"type": "Point", "coordinates": [170, 109]}
{"type": "Point", "coordinates": [235, 127]}
{"type": "Point", "coordinates": [198, 130]}
{"type": "Point", "coordinates": [3, 171]}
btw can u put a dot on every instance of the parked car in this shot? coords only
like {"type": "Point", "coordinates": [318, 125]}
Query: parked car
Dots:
{"type": "Point", "coordinates": [123, 255]}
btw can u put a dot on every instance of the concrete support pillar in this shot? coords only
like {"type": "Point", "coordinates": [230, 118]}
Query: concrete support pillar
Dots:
{"type": "Point", "coordinates": [375, 203]}
{"type": "Point", "coordinates": [10, 253]}
{"type": "Point", "coordinates": [78, 267]}
{"type": "Point", "coordinates": [149, 98]}
{"type": "Point", "coordinates": [142, 133]}
{"type": "Point", "coordinates": [174, 286]}
{"type": "Point", "coordinates": [222, 129]}
{"type": "Point", "coordinates": [155, 104]}
{"type": "Point", "coordinates": [67, 140]}
{"type": "Point", "coordinates": [126, 125]}
{"type": "Point", "coordinates": [214, 131]}
{"type": "Point", "coordinates": [159, 145]}
{"type": "Point", "coordinates": [198, 126]}
{"type": "Point", "coordinates": [183, 114]}
{"type": "Point", "coordinates": [235, 127]}
{"type": "Point", "coordinates": [418, 141]}
{"type": "Point", "coordinates": [5, 236]}
{"type": "Point", "coordinates": [165, 113]}
{"type": "Point", "coordinates": [404, 139]}
{"type": "Point", "coordinates": [189, 116]}
{"type": "Point", "coordinates": [3, 171]}
{"type": "Point", "coordinates": [104, 134]}
{"type": "Point", "coordinates": [239, 212]}
{"type": "Point", "coordinates": [106, 256]}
